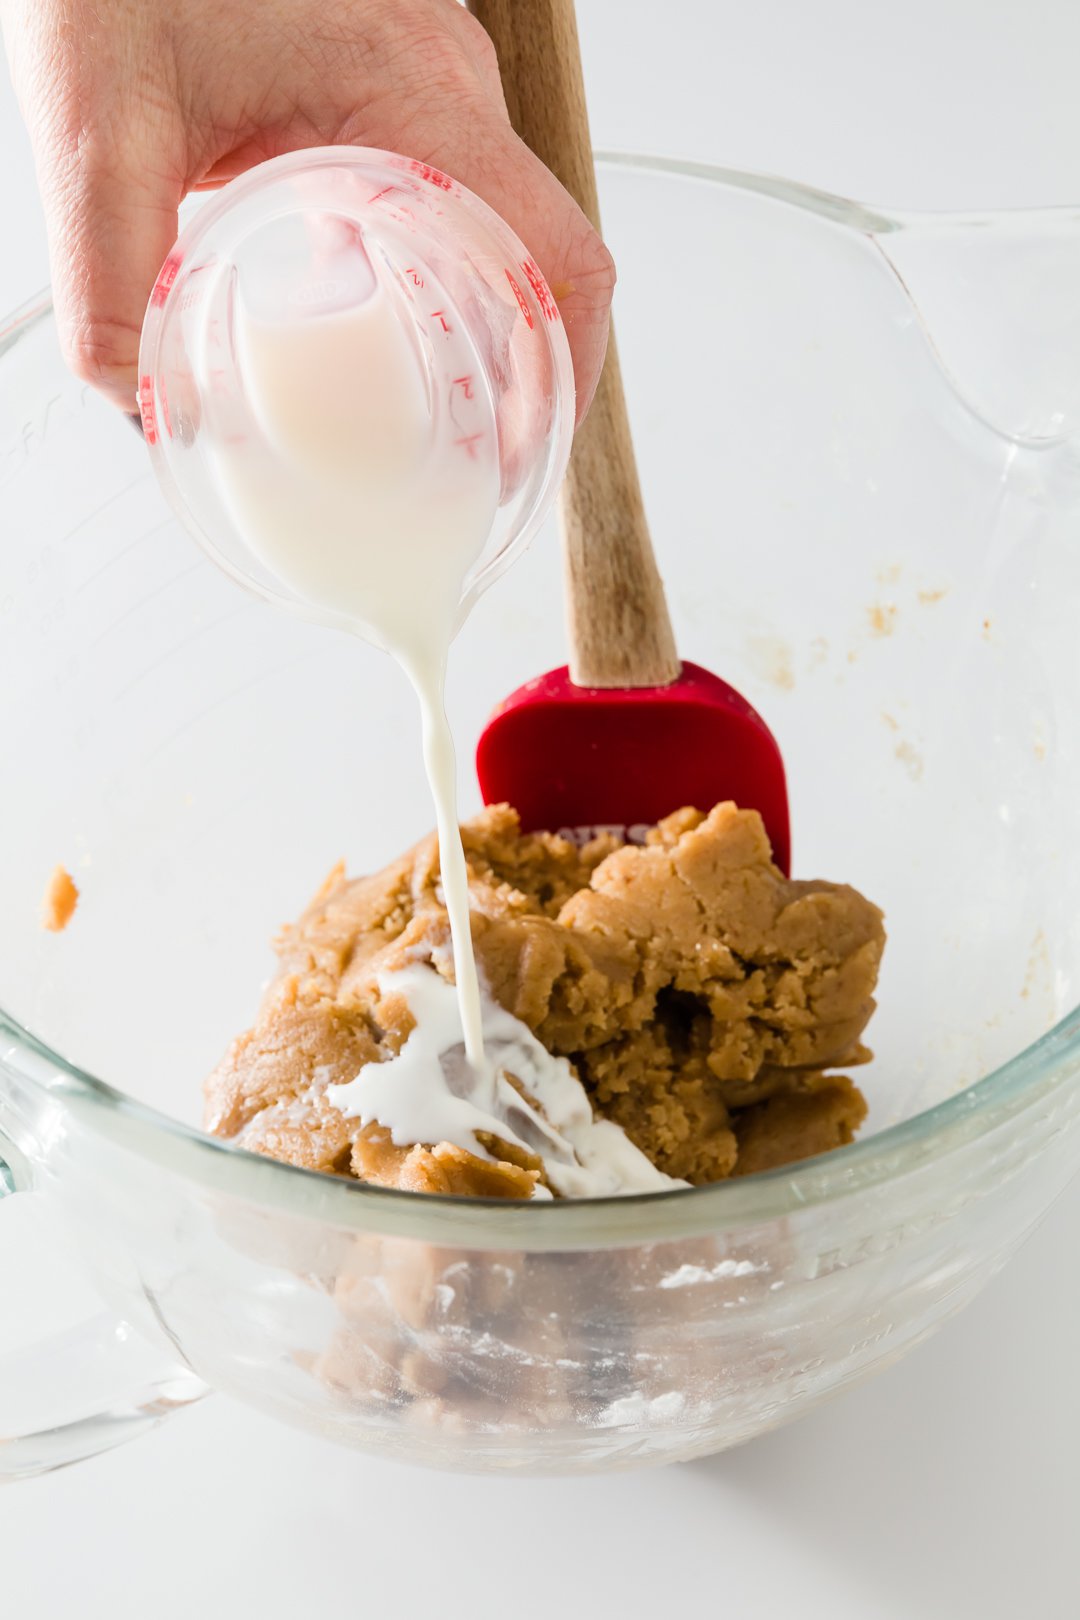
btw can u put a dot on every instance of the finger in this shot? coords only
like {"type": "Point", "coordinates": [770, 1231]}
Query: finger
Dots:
{"type": "Point", "coordinates": [569, 252]}
{"type": "Point", "coordinates": [502, 169]}
{"type": "Point", "coordinates": [478, 147]}
{"type": "Point", "coordinates": [111, 212]}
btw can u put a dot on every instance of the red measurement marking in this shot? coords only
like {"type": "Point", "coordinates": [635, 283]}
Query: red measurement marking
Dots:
{"type": "Point", "coordinates": [520, 296]}
{"type": "Point", "coordinates": [166, 277]}
{"type": "Point", "coordinates": [470, 444]}
{"type": "Point", "coordinates": [438, 315]}
{"type": "Point", "coordinates": [465, 384]}
{"type": "Point", "coordinates": [146, 408]}
{"type": "Point", "coordinates": [379, 195]}
{"type": "Point", "coordinates": [434, 177]}
{"type": "Point", "coordinates": [415, 277]}
{"type": "Point", "coordinates": [548, 307]}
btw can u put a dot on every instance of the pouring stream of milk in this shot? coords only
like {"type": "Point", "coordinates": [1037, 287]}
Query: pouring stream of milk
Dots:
{"type": "Point", "coordinates": [368, 509]}
{"type": "Point", "coordinates": [440, 762]}
{"type": "Point", "coordinates": [372, 507]}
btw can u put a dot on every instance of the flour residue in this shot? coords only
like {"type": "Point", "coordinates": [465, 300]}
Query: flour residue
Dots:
{"type": "Point", "coordinates": [904, 751]}
{"type": "Point", "coordinates": [882, 617]}
{"type": "Point", "coordinates": [770, 659]}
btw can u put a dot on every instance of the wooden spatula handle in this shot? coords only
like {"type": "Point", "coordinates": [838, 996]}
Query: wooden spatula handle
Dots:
{"type": "Point", "coordinates": [617, 618]}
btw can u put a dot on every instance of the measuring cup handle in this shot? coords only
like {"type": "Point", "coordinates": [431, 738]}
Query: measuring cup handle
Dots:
{"type": "Point", "coordinates": [81, 1389]}
{"type": "Point", "coordinates": [618, 625]}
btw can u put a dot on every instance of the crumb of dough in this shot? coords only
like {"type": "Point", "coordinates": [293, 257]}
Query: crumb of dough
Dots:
{"type": "Point", "coordinates": [445, 1168]}
{"type": "Point", "coordinates": [61, 898]}
{"type": "Point", "coordinates": [823, 1112]}
{"type": "Point", "coordinates": [702, 998]}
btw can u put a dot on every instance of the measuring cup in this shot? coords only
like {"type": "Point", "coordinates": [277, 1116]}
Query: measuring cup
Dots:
{"type": "Point", "coordinates": [295, 247]}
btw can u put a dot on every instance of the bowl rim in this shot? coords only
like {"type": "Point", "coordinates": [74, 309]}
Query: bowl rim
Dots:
{"type": "Point", "coordinates": [1025, 1080]}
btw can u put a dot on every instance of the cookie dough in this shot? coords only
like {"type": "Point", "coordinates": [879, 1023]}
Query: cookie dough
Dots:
{"type": "Point", "coordinates": [703, 999]}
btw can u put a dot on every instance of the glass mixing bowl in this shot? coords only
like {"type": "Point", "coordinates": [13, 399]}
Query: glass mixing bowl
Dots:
{"type": "Point", "coordinates": [857, 442]}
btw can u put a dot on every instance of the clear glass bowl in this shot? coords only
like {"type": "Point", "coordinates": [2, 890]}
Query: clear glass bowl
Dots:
{"type": "Point", "coordinates": [857, 442]}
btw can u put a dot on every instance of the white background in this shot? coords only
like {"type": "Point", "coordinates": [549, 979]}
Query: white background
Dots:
{"type": "Point", "coordinates": [945, 1490]}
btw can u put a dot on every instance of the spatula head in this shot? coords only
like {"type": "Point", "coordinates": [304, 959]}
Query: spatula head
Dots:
{"type": "Point", "coordinates": [572, 757]}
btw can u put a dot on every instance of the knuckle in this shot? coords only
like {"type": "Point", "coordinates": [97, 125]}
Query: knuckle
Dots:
{"type": "Point", "coordinates": [477, 41]}
{"type": "Point", "coordinates": [449, 55]}
{"type": "Point", "coordinates": [102, 352]}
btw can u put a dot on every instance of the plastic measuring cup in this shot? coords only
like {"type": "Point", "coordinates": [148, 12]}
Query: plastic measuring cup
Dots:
{"type": "Point", "coordinates": [303, 239]}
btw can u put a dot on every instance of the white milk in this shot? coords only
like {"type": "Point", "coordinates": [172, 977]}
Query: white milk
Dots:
{"type": "Point", "coordinates": [371, 511]}
{"type": "Point", "coordinates": [417, 1097]}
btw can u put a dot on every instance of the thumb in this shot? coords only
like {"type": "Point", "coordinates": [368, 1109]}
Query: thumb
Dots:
{"type": "Point", "coordinates": [111, 213]}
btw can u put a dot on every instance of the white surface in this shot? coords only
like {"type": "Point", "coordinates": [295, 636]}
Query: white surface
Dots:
{"type": "Point", "coordinates": [945, 1489]}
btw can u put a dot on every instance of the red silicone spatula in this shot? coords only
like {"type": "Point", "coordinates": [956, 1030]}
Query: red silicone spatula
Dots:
{"type": "Point", "coordinates": [626, 734]}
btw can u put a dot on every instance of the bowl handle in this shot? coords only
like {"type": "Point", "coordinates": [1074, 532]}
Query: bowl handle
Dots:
{"type": "Point", "coordinates": [71, 1391]}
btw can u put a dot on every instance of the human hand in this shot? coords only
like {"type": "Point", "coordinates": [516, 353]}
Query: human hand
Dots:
{"type": "Point", "coordinates": [131, 104]}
